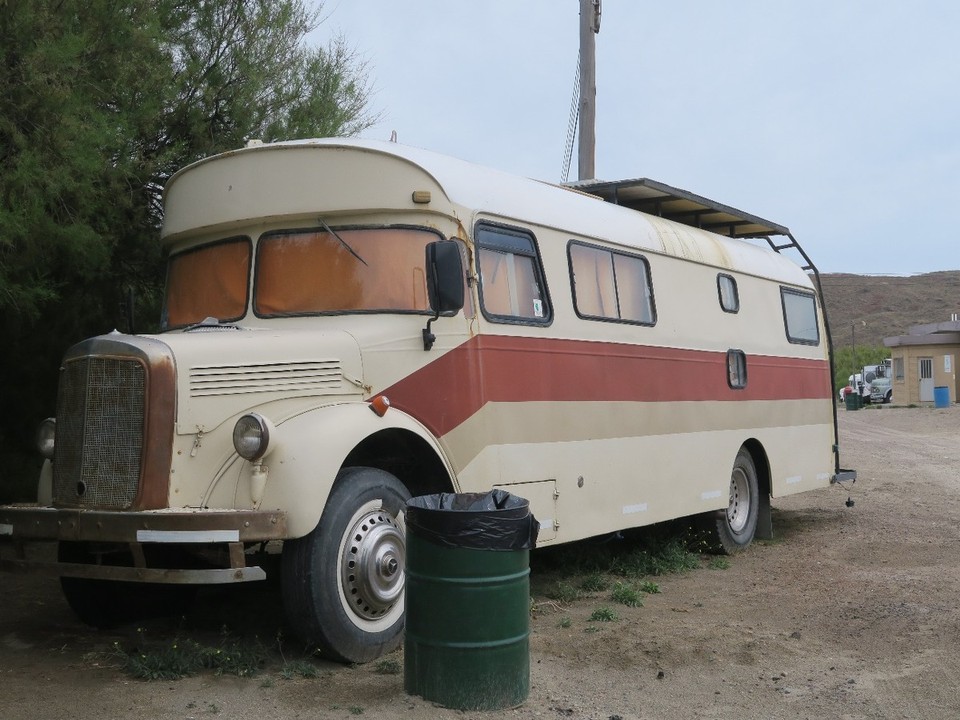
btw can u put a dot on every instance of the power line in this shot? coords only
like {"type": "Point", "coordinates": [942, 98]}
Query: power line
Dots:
{"type": "Point", "coordinates": [572, 124]}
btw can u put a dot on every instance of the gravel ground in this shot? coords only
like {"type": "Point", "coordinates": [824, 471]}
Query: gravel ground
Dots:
{"type": "Point", "coordinates": [848, 613]}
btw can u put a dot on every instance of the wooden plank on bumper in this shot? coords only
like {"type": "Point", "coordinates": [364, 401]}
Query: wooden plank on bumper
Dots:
{"type": "Point", "coordinates": [39, 523]}
{"type": "Point", "coordinates": [214, 576]}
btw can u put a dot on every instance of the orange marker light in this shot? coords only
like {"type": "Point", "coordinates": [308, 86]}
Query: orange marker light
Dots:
{"type": "Point", "coordinates": [380, 404]}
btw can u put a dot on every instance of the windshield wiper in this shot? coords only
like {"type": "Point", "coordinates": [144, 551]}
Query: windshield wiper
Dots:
{"type": "Point", "coordinates": [210, 323]}
{"type": "Point", "coordinates": [342, 241]}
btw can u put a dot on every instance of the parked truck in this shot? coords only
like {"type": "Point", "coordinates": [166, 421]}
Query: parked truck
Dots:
{"type": "Point", "coordinates": [861, 381]}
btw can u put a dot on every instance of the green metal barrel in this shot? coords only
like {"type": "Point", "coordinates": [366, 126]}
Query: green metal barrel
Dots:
{"type": "Point", "coordinates": [467, 618]}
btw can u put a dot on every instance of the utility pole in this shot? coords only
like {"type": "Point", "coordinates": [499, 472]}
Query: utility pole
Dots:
{"type": "Point", "coordinates": [853, 346]}
{"type": "Point", "coordinates": [589, 27]}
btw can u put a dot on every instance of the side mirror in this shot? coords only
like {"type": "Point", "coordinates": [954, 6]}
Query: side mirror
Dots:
{"type": "Point", "coordinates": [444, 282]}
{"type": "Point", "coordinates": [444, 276]}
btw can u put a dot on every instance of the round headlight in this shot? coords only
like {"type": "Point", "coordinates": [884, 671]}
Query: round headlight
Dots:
{"type": "Point", "coordinates": [251, 436]}
{"type": "Point", "coordinates": [46, 436]}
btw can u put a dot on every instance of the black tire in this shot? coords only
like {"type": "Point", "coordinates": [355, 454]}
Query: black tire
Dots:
{"type": "Point", "coordinates": [110, 603]}
{"type": "Point", "coordinates": [736, 525]}
{"type": "Point", "coordinates": [343, 583]}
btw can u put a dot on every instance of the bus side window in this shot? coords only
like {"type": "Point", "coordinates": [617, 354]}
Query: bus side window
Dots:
{"type": "Point", "coordinates": [736, 369]}
{"type": "Point", "coordinates": [800, 316]}
{"type": "Point", "coordinates": [633, 289]}
{"type": "Point", "coordinates": [727, 291]}
{"type": "Point", "coordinates": [611, 285]}
{"type": "Point", "coordinates": [594, 287]}
{"type": "Point", "coordinates": [511, 283]}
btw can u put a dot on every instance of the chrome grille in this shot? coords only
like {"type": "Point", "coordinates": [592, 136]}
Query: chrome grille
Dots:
{"type": "Point", "coordinates": [100, 428]}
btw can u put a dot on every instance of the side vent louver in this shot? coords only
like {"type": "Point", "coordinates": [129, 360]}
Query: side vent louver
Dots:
{"type": "Point", "coordinates": [288, 377]}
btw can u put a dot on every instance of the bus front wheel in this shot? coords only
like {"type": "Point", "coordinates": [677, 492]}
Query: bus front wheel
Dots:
{"type": "Point", "coordinates": [343, 582]}
{"type": "Point", "coordinates": [736, 524]}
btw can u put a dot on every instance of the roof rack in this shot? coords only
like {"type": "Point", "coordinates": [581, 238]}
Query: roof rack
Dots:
{"type": "Point", "coordinates": [657, 198]}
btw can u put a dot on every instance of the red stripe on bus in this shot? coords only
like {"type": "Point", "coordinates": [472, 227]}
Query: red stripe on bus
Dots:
{"type": "Point", "coordinates": [498, 368]}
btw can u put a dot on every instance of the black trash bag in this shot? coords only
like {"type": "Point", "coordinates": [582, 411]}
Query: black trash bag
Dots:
{"type": "Point", "coordinates": [494, 520]}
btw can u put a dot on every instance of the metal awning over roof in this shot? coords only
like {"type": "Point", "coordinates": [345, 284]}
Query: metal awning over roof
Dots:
{"type": "Point", "coordinates": [656, 198]}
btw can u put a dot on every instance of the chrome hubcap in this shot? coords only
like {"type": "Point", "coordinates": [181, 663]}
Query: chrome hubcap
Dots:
{"type": "Point", "coordinates": [738, 511]}
{"type": "Point", "coordinates": [371, 568]}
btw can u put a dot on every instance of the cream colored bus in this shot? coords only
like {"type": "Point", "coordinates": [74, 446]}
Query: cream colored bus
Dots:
{"type": "Point", "coordinates": [348, 324]}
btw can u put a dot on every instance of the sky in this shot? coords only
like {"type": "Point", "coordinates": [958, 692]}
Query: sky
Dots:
{"type": "Point", "coordinates": [839, 119]}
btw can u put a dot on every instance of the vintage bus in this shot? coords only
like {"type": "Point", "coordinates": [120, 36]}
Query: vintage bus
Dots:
{"type": "Point", "coordinates": [348, 324]}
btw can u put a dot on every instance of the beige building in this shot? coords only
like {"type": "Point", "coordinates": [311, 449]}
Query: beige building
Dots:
{"type": "Point", "coordinates": [925, 362]}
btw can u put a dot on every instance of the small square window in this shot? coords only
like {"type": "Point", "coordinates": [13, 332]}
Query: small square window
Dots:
{"type": "Point", "coordinates": [727, 291]}
{"type": "Point", "coordinates": [736, 369]}
{"type": "Point", "coordinates": [800, 316]}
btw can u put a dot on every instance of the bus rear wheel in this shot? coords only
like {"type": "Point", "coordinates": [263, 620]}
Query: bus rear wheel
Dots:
{"type": "Point", "coordinates": [343, 582]}
{"type": "Point", "coordinates": [736, 525]}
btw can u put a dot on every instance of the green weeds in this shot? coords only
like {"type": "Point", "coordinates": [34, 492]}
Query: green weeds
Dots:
{"type": "Point", "coordinates": [564, 592]}
{"type": "Point", "coordinates": [594, 582]}
{"type": "Point", "coordinates": [388, 666]}
{"type": "Point", "coordinates": [603, 614]}
{"type": "Point", "coordinates": [299, 668]}
{"type": "Point", "coordinates": [626, 595]}
{"type": "Point", "coordinates": [183, 657]}
{"type": "Point", "coordinates": [719, 563]}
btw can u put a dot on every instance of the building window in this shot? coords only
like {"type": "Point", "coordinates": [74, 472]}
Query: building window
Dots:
{"type": "Point", "coordinates": [512, 288]}
{"type": "Point", "coordinates": [727, 291]}
{"type": "Point", "coordinates": [800, 316]}
{"type": "Point", "coordinates": [736, 369]}
{"type": "Point", "coordinates": [898, 369]}
{"type": "Point", "coordinates": [611, 285]}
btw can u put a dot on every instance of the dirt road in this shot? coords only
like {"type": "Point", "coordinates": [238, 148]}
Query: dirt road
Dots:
{"type": "Point", "coordinates": [849, 613]}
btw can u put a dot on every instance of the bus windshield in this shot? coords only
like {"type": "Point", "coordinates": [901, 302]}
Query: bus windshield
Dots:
{"type": "Point", "coordinates": [307, 272]}
{"type": "Point", "coordinates": [207, 281]}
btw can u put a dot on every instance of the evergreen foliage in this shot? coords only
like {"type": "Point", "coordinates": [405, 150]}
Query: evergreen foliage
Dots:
{"type": "Point", "coordinates": [848, 361]}
{"type": "Point", "coordinates": [102, 101]}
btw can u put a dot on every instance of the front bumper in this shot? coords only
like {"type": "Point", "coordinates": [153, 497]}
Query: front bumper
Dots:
{"type": "Point", "coordinates": [229, 530]}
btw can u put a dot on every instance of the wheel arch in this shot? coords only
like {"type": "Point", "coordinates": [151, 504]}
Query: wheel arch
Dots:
{"type": "Point", "coordinates": [315, 446]}
{"type": "Point", "coordinates": [407, 456]}
{"type": "Point", "coordinates": [761, 464]}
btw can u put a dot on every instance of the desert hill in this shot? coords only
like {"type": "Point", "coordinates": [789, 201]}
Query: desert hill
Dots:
{"type": "Point", "coordinates": [872, 307]}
